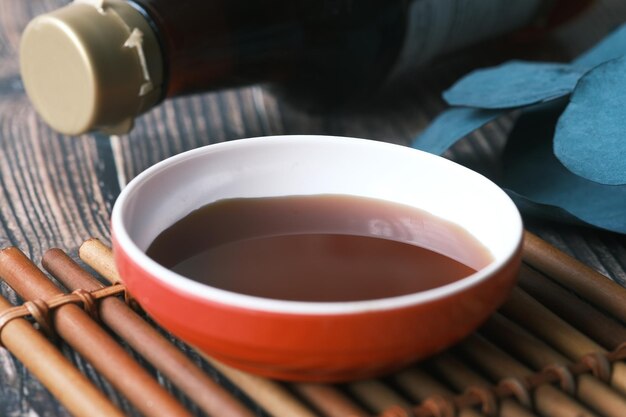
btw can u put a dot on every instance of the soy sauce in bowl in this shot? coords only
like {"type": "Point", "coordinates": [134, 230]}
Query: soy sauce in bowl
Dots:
{"type": "Point", "coordinates": [318, 248]}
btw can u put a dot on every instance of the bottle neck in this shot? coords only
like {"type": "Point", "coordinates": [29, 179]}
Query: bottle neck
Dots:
{"type": "Point", "coordinates": [227, 43]}
{"type": "Point", "coordinates": [329, 48]}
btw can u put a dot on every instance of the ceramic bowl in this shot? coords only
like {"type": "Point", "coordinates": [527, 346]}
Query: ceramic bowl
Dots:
{"type": "Point", "coordinates": [315, 341]}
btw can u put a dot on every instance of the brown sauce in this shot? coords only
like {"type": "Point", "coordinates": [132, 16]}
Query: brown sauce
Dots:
{"type": "Point", "coordinates": [318, 248]}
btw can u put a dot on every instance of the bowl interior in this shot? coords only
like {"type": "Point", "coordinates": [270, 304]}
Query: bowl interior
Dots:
{"type": "Point", "coordinates": [306, 165]}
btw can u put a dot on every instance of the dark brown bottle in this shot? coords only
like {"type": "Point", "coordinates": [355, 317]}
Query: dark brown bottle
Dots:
{"type": "Point", "coordinates": [309, 45]}
{"type": "Point", "coordinates": [97, 64]}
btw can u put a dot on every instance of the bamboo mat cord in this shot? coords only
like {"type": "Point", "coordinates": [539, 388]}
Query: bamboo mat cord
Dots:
{"type": "Point", "coordinates": [600, 327]}
{"type": "Point", "coordinates": [397, 411]}
{"type": "Point", "coordinates": [587, 387]}
{"type": "Point", "coordinates": [329, 400]}
{"type": "Point", "coordinates": [89, 339]}
{"type": "Point", "coordinates": [460, 376]}
{"type": "Point", "coordinates": [489, 403]}
{"type": "Point", "coordinates": [516, 388]}
{"type": "Point", "coordinates": [587, 282]}
{"type": "Point", "coordinates": [40, 310]}
{"type": "Point", "coordinates": [548, 400]}
{"type": "Point", "coordinates": [268, 394]}
{"type": "Point", "coordinates": [421, 386]}
{"type": "Point", "coordinates": [148, 342]}
{"type": "Point", "coordinates": [54, 371]}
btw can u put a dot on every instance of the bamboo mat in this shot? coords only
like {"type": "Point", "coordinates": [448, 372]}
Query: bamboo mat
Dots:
{"type": "Point", "coordinates": [554, 349]}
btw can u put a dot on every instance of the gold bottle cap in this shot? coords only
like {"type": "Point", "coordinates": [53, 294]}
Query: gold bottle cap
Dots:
{"type": "Point", "coordinates": [91, 65]}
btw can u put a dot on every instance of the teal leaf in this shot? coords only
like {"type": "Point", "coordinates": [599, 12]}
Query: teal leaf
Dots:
{"type": "Point", "coordinates": [590, 137]}
{"type": "Point", "coordinates": [451, 126]}
{"type": "Point", "coordinates": [536, 179]}
{"type": "Point", "coordinates": [513, 84]}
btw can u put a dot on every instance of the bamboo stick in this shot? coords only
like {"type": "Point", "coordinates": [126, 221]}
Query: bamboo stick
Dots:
{"type": "Point", "coordinates": [597, 325]}
{"type": "Point", "coordinates": [419, 385]}
{"type": "Point", "coordinates": [530, 313]}
{"type": "Point", "coordinates": [100, 257]}
{"type": "Point", "coordinates": [89, 339]}
{"type": "Point", "coordinates": [147, 341]}
{"type": "Point", "coordinates": [376, 395]}
{"type": "Point", "coordinates": [329, 400]}
{"type": "Point", "coordinates": [587, 282]}
{"type": "Point", "coordinates": [270, 395]}
{"type": "Point", "coordinates": [55, 372]}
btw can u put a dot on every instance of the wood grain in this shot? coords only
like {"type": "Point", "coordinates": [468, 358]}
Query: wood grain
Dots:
{"type": "Point", "coordinates": [57, 191]}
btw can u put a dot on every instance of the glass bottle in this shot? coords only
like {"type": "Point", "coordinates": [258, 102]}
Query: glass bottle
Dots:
{"type": "Point", "coordinates": [97, 64]}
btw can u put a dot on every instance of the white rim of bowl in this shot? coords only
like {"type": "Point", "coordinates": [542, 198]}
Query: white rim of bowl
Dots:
{"type": "Point", "coordinates": [250, 302]}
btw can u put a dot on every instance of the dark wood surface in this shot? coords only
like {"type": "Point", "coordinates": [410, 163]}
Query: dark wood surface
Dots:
{"type": "Point", "coordinates": [56, 191]}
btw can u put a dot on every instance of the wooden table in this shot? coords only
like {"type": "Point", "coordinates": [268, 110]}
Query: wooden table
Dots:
{"type": "Point", "coordinates": [56, 191]}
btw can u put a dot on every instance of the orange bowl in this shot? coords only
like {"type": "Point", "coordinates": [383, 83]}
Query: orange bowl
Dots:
{"type": "Point", "coordinates": [315, 341]}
